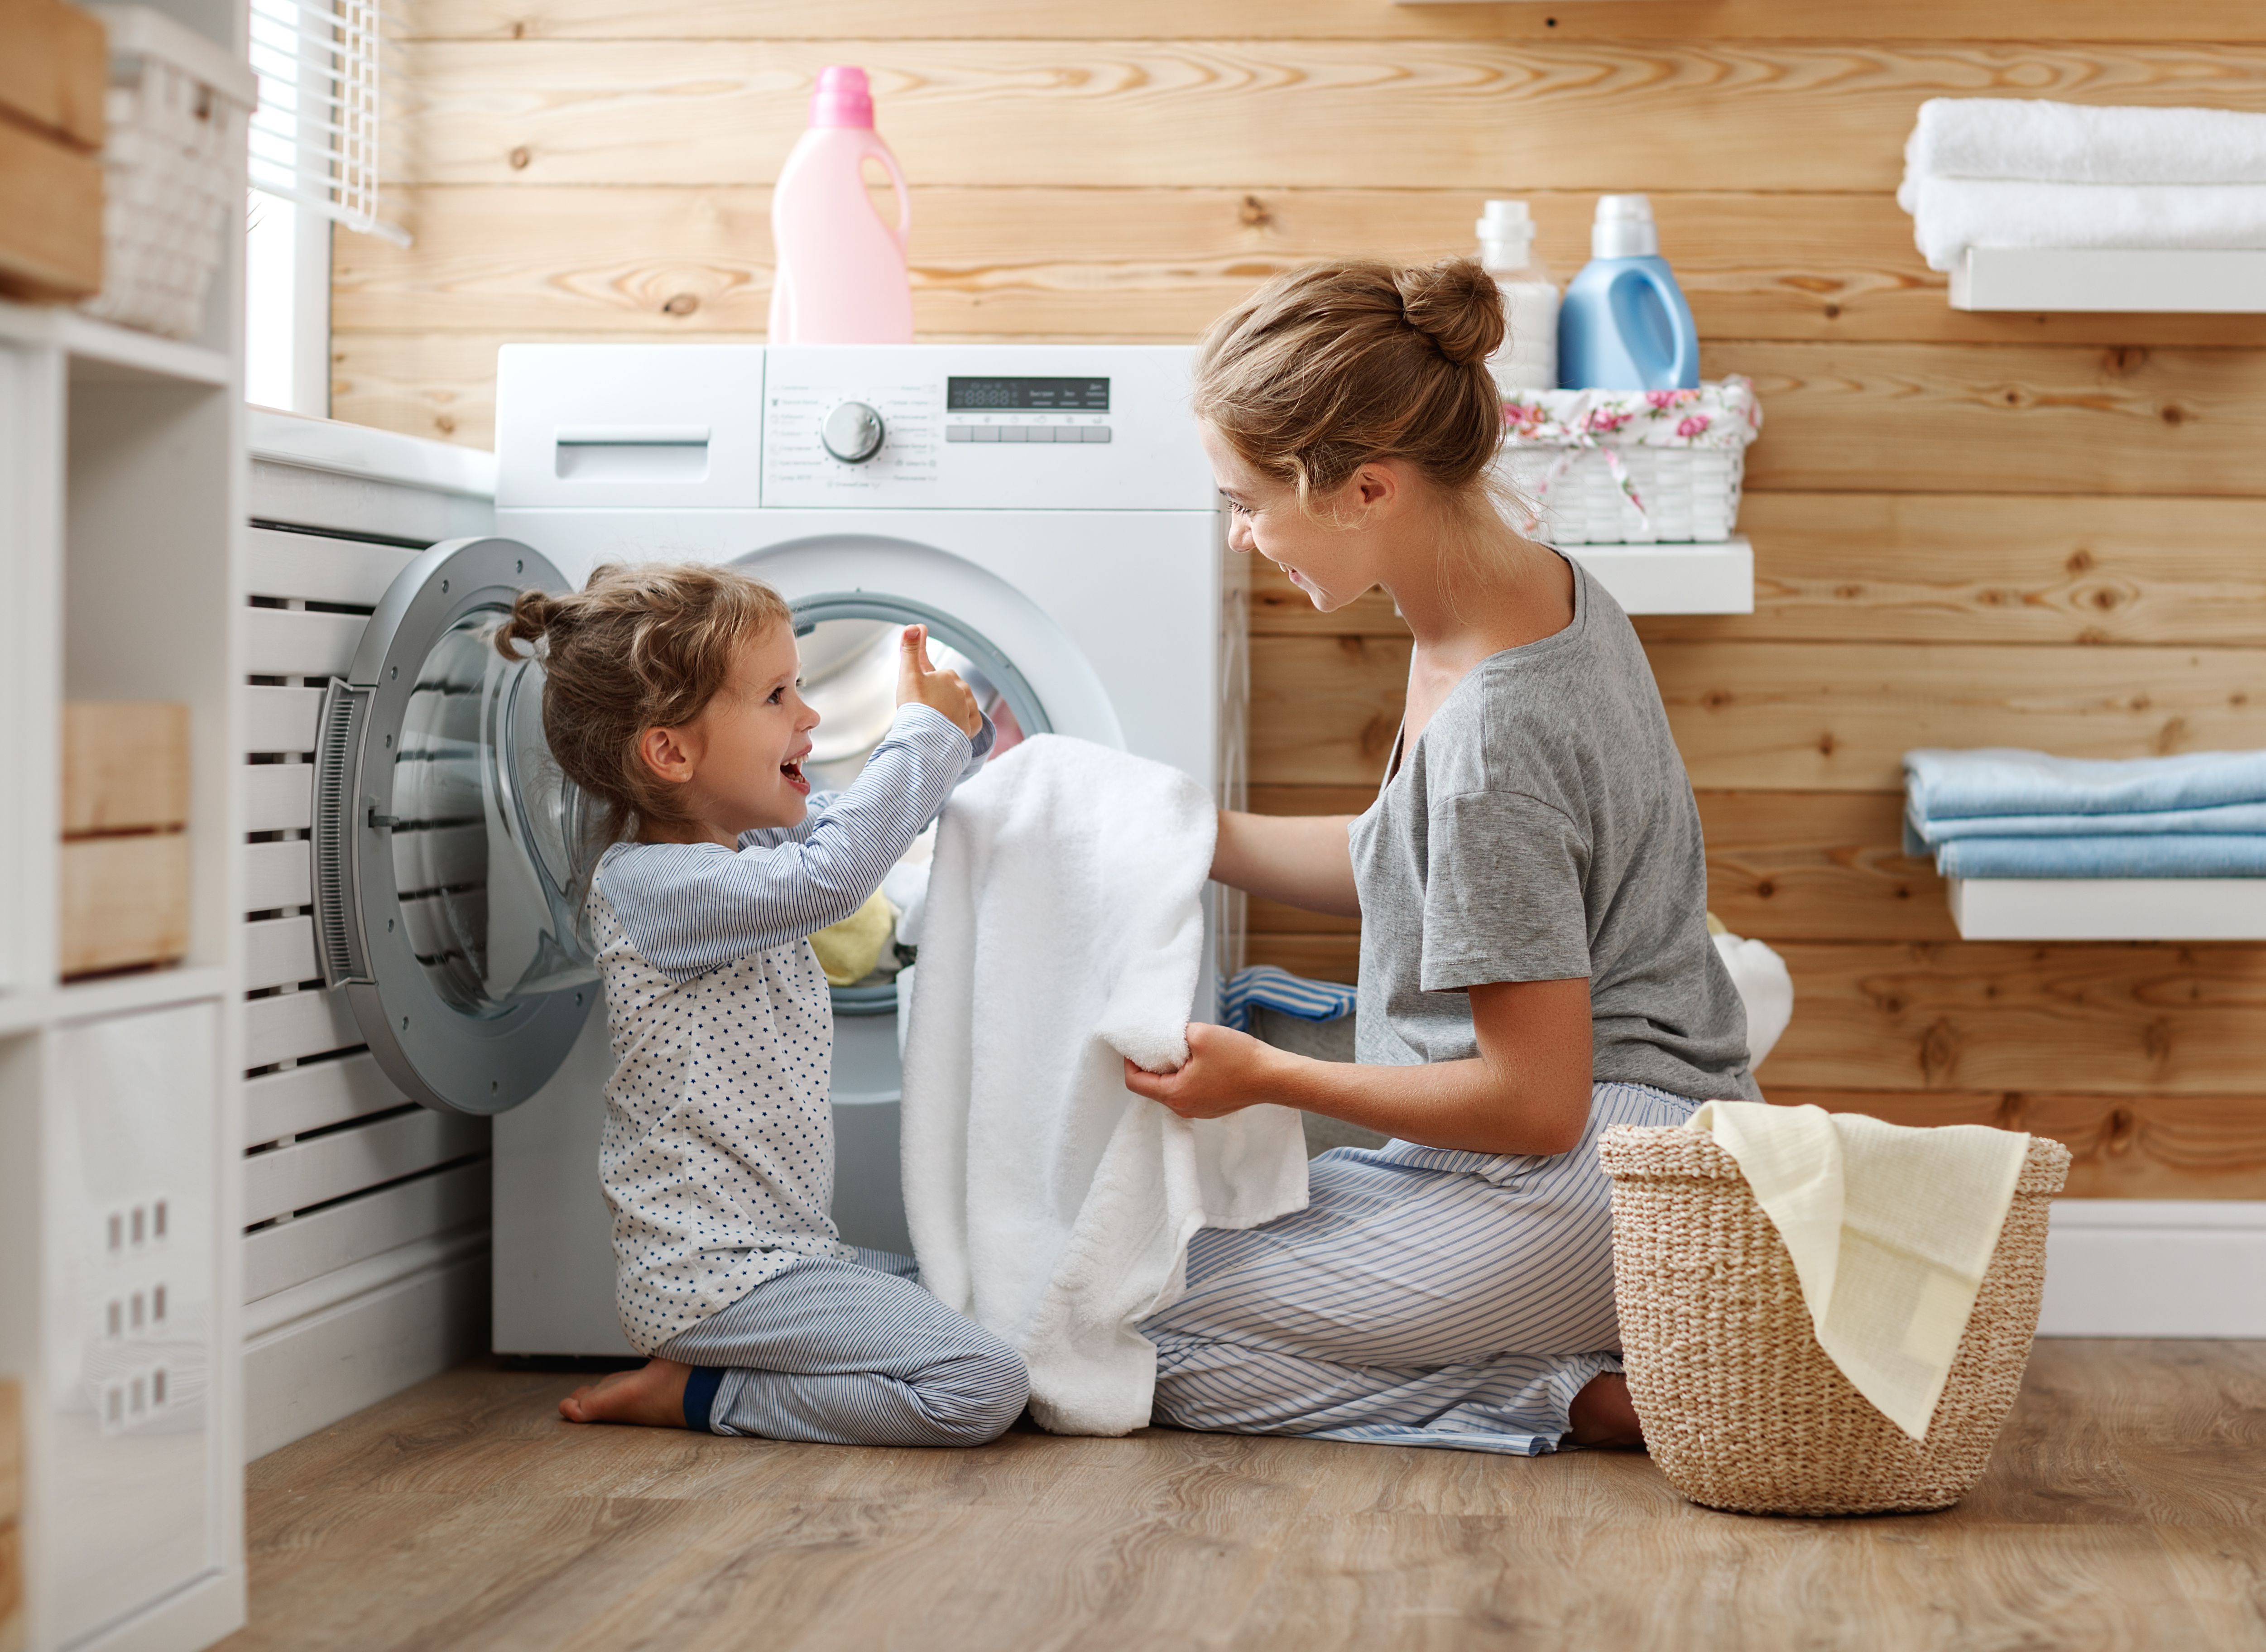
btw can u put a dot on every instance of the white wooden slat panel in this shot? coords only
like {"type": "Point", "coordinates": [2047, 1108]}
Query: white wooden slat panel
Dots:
{"type": "Point", "coordinates": [292, 642]}
{"type": "Point", "coordinates": [311, 1172]}
{"type": "Point", "coordinates": [298, 1024]}
{"type": "Point", "coordinates": [279, 797]}
{"type": "Point", "coordinates": [281, 719]}
{"type": "Point", "coordinates": [308, 1372]}
{"type": "Point", "coordinates": [277, 1258]}
{"type": "Point", "coordinates": [315, 568]}
{"type": "Point", "coordinates": [315, 1097]}
{"type": "Point", "coordinates": [278, 875]}
{"type": "Point", "coordinates": [279, 951]}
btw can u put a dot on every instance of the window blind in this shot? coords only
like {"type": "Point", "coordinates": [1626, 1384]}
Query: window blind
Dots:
{"type": "Point", "coordinates": [315, 135]}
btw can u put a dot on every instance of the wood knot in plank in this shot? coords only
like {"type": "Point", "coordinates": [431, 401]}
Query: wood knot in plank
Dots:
{"type": "Point", "coordinates": [681, 304]}
{"type": "Point", "coordinates": [519, 158]}
{"type": "Point", "coordinates": [1254, 215]}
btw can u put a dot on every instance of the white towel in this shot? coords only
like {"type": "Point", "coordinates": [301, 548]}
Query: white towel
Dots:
{"type": "Point", "coordinates": [2045, 142]}
{"type": "Point", "coordinates": [1889, 1230]}
{"type": "Point", "coordinates": [1765, 991]}
{"type": "Point", "coordinates": [1047, 1200]}
{"type": "Point", "coordinates": [1950, 215]}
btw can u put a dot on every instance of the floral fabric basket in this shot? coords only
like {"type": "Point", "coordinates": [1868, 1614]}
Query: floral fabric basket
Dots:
{"type": "Point", "coordinates": [1629, 467]}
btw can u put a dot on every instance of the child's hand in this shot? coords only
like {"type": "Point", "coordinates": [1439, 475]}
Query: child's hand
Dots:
{"type": "Point", "coordinates": [921, 684]}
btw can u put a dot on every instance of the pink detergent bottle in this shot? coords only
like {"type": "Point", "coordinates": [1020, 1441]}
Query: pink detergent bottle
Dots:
{"type": "Point", "coordinates": [840, 275]}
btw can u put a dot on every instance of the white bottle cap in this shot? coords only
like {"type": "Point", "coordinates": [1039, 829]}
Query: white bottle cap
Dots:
{"type": "Point", "coordinates": [1506, 236]}
{"type": "Point", "coordinates": [1624, 227]}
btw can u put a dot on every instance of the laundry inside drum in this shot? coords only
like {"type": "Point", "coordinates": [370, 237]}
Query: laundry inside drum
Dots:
{"type": "Point", "coordinates": [850, 668]}
{"type": "Point", "coordinates": [850, 678]}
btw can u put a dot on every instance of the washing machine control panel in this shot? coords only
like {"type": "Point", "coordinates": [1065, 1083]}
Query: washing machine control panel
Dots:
{"type": "Point", "coordinates": [952, 427]}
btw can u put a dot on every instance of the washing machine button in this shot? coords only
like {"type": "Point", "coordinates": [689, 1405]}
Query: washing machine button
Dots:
{"type": "Point", "coordinates": [852, 433]}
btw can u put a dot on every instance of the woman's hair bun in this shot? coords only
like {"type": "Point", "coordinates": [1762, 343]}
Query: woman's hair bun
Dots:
{"type": "Point", "coordinates": [1457, 305]}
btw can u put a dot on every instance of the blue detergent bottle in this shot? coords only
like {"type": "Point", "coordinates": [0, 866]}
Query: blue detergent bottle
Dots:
{"type": "Point", "coordinates": [1623, 324]}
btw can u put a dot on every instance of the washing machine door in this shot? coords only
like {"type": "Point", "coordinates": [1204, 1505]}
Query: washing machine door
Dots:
{"type": "Point", "coordinates": [449, 852]}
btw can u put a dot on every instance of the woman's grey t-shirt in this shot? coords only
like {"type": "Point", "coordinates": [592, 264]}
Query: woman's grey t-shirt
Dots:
{"type": "Point", "coordinates": [1542, 829]}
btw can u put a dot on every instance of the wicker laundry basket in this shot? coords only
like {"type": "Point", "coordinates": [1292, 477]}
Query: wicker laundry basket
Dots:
{"type": "Point", "coordinates": [1741, 1409]}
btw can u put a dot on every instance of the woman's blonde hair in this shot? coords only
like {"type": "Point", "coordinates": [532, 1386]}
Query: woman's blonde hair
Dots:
{"type": "Point", "coordinates": [638, 648]}
{"type": "Point", "coordinates": [1334, 366]}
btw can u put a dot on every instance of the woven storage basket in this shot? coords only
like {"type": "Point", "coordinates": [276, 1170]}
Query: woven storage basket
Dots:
{"type": "Point", "coordinates": [173, 169]}
{"type": "Point", "coordinates": [1741, 1409]}
{"type": "Point", "coordinates": [1691, 494]}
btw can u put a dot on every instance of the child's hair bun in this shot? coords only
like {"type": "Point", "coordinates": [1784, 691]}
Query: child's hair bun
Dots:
{"type": "Point", "coordinates": [1457, 305]}
{"type": "Point", "coordinates": [533, 613]}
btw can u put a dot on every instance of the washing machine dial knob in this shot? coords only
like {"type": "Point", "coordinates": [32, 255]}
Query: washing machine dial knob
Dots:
{"type": "Point", "coordinates": [852, 432]}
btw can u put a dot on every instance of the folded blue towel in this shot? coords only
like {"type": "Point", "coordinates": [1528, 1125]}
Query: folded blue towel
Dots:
{"type": "Point", "coordinates": [2159, 855]}
{"type": "Point", "coordinates": [1263, 985]}
{"type": "Point", "coordinates": [1952, 785]}
{"type": "Point", "coordinates": [2234, 818]}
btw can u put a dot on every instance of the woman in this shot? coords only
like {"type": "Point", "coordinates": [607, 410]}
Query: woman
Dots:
{"type": "Point", "coordinates": [1535, 964]}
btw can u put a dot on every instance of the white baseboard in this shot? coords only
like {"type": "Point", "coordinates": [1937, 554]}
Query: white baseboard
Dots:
{"type": "Point", "coordinates": [411, 1319]}
{"type": "Point", "coordinates": [2172, 1268]}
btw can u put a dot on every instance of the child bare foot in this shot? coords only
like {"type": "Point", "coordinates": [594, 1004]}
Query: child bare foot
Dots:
{"type": "Point", "coordinates": [1602, 1415]}
{"type": "Point", "coordinates": [653, 1396]}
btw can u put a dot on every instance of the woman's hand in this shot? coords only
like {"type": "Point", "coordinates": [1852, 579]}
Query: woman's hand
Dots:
{"type": "Point", "coordinates": [921, 684]}
{"type": "Point", "coordinates": [1226, 1072]}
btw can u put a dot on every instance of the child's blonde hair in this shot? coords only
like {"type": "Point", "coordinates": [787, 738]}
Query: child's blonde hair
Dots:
{"type": "Point", "coordinates": [1331, 367]}
{"type": "Point", "coordinates": [638, 648]}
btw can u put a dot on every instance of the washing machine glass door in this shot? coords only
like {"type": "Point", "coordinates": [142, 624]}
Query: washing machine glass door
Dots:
{"type": "Point", "coordinates": [450, 854]}
{"type": "Point", "coordinates": [849, 642]}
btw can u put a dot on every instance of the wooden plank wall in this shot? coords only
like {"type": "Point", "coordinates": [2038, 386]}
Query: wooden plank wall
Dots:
{"type": "Point", "coordinates": [2037, 530]}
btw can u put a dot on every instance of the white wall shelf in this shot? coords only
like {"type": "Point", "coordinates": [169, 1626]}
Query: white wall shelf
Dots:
{"type": "Point", "coordinates": [1674, 578]}
{"type": "Point", "coordinates": [110, 995]}
{"type": "Point", "coordinates": [91, 344]}
{"type": "Point", "coordinates": [2108, 908]}
{"type": "Point", "coordinates": [2150, 279]}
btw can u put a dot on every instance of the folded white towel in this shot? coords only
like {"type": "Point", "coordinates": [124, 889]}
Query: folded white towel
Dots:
{"type": "Point", "coordinates": [1048, 1202]}
{"type": "Point", "coordinates": [2039, 140]}
{"type": "Point", "coordinates": [1950, 215]}
{"type": "Point", "coordinates": [1889, 1229]}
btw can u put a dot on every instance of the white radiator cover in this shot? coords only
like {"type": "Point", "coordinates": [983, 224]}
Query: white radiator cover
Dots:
{"type": "Point", "coordinates": [366, 1269]}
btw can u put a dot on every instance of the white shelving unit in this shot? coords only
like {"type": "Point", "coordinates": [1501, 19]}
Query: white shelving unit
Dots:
{"type": "Point", "coordinates": [121, 504]}
{"type": "Point", "coordinates": [1674, 578]}
{"type": "Point", "coordinates": [2108, 908]}
{"type": "Point", "coordinates": [2151, 280]}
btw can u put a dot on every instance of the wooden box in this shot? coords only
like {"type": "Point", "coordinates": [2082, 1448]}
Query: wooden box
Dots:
{"type": "Point", "coordinates": [124, 900]}
{"type": "Point", "coordinates": [54, 68]}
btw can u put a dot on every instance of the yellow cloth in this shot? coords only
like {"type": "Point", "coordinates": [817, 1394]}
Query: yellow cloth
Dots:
{"type": "Point", "coordinates": [1890, 1230]}
{"type": "Point", "coordinates": [848, 951]}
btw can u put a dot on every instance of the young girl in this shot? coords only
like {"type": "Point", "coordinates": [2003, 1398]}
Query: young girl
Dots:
{"type": "Point", "coordinates": [670, 696]}
{"type": "Point", "coordinates": [1535, 964]}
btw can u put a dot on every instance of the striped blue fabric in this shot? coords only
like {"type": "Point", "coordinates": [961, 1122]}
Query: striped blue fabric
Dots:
{"type": "Point", "coordinates": [691, 908]}
{"type": "Point", "coordinates": [1422, 1297]}
{"type": "Point", "coordinates": [1264, 986]}
{"type": "Point", "coordinates": [852, 1353]}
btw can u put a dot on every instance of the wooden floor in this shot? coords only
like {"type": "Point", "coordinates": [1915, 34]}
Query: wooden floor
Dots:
{"type": "Point", "coordinates": [2125, 1507]}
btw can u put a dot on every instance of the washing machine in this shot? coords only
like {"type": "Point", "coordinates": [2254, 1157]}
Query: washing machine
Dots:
{"type": "Point", "coordinates": [1045, 511]}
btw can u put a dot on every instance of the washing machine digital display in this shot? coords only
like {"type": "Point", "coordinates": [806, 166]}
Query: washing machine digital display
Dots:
{"type": "Point", "coordinates": [1027, 395]}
